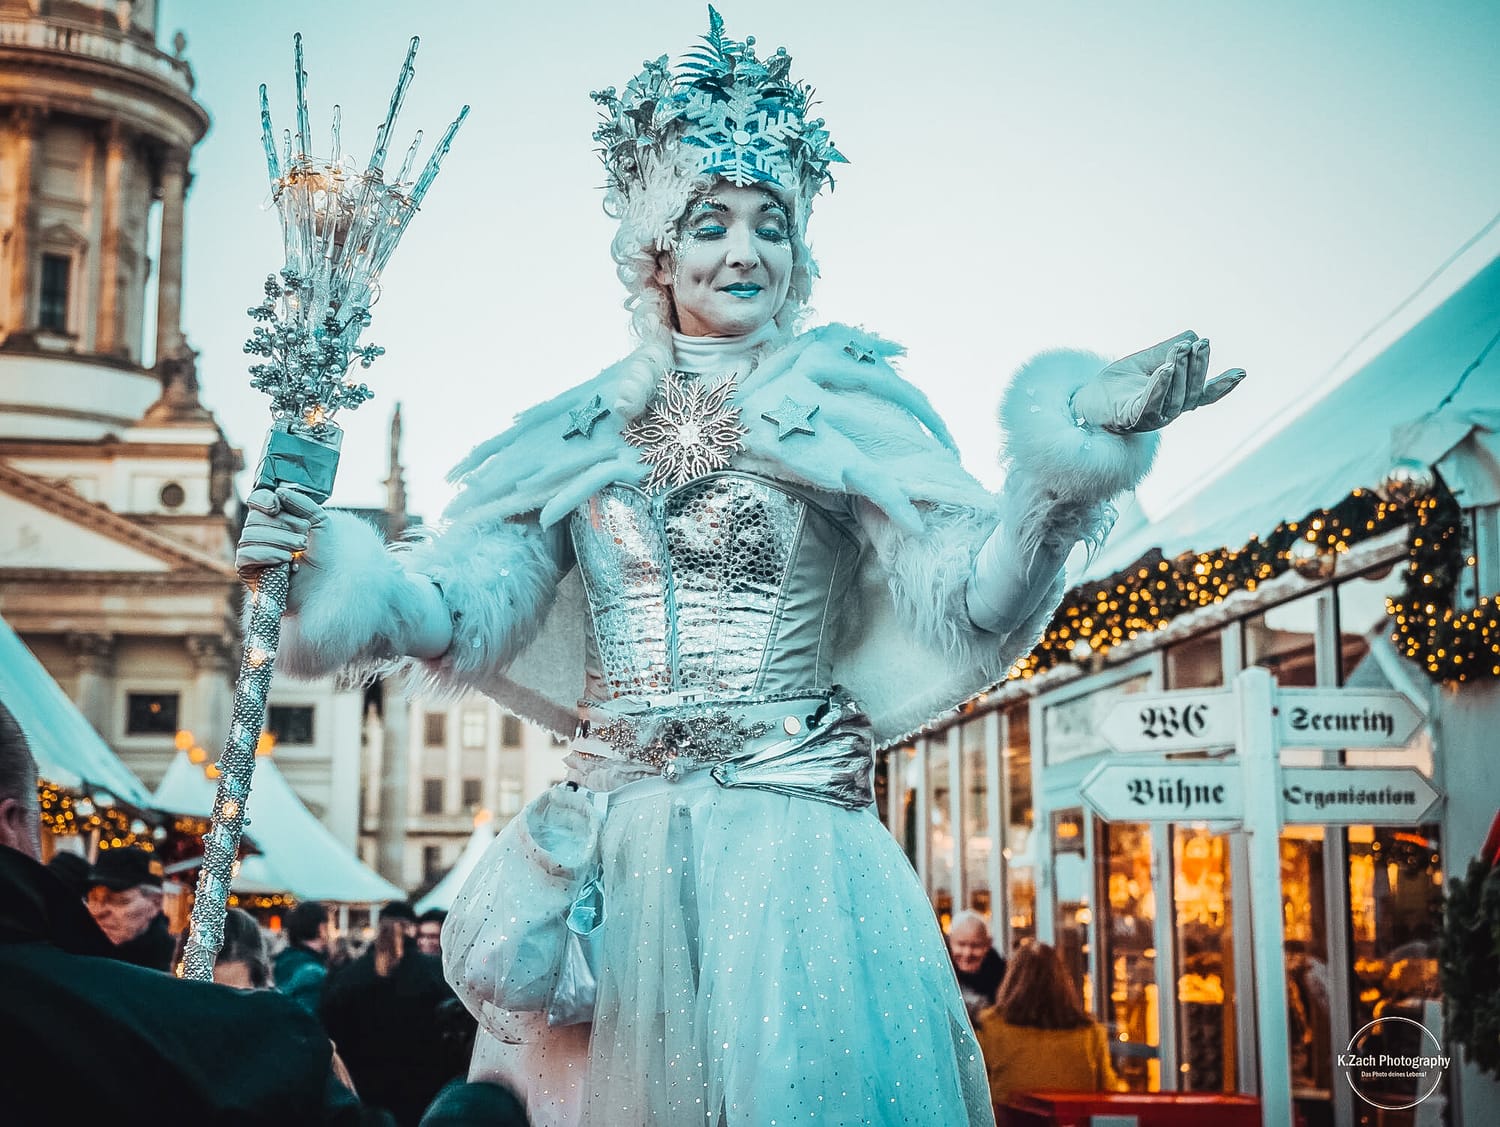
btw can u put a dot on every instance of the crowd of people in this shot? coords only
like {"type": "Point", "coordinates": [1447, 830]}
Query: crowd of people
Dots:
{"type": "Point", "coordinates": [90, 1004]}
{"type": "Point", "coordinates": [314, 1030]}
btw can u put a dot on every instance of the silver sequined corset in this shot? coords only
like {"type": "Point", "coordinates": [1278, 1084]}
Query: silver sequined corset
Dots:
{"type": "Point", "coordinates": [723, 587]}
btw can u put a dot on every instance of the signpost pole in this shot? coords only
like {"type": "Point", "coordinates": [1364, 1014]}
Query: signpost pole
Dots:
{"type": "Point", "coordinates": [1260, 762]}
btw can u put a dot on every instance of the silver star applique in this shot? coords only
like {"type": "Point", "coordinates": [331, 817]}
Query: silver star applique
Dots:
{"type": "Point", "coordinates": [688, 430]}
{"type": "Point", "coordinates": [791, 418]}
{"type": "Point", "coordinates": [582, 420]}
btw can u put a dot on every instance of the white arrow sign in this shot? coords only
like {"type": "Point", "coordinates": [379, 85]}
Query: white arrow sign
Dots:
{"type": "Point", "coordinates": [1348, 796]}
{"type": "Point", "coordinates": [1187, 720]}
{"type": "Point", "coordinates": [1345, 718]}
{"type": "Point", "coordinates": [1165, 792]}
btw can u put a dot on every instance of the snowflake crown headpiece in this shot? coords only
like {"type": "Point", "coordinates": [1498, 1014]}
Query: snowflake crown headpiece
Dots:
{"type": "Point", "coordinates": [745, 117]}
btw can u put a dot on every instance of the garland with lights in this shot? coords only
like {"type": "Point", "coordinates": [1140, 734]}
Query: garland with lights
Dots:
{"type": "Point", "coordinates": [1451, 646]}
{"type": "Point", "coordinates": [65, 813]}
{"type": "Point", "coordinates": [262, 902]}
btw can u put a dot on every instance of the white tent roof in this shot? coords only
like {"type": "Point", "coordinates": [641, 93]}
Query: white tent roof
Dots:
{"type": "Point", "coordinates": [298, 853]}
{"type": "Point", "coordinates": [1390, 409]}
{"type": "Point", "coordinates": [446, 890]}
{"type": "Point", "coordinates": [68, 751]}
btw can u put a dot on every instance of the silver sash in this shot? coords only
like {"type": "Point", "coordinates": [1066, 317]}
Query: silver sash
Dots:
{"type": "Point", "coordinates": [815, 746]}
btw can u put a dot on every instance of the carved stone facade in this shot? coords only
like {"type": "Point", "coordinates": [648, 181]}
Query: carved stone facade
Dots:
{"type": "Point", "coordinates": [117, 520]}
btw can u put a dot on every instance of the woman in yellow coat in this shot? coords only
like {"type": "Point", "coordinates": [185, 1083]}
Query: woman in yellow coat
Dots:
{"type": "Point", "coordinates": [1037, 1037]}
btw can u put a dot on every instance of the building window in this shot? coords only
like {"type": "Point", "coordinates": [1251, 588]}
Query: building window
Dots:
{"type": "Point", "coordinates": [290, 723]}
{"type": "Point", "coordinates": [57, 279]}
{"type": "Point", "coordinates": [1020, 819]}
{"type": "Point", "coordinates": [1197, 663]}
{"type": "Point", "coordinates": [474, 728]}
{"type": "Point", "coordinates": [977, 843]}
{"type": "Point", "coordinates": [435, 729]}
{"type": "Point", "coordinates": [151, 714]}
{"type": "Point", "coordinates": [172, 495]}
{"type": "Point", "coordinates": [510, 731]}
{"type": "Point", "coordinates": [432, 862]}
{"type": "Point", "coordinates": [473, 793]}
{"type": "Point", "coordinates": [432, 796]}
{"type": "Point", "coordinates": [510, 797]}
{"type": "Point", "coordinates": [1285, 640]}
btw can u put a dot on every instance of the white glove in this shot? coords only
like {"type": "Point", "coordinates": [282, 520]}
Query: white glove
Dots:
{"type": "Point", "coordinates": [281, 528]}
{"type": "Point", "coordinates": [1007, 584]}
{"type": "Point", "coordinates": [1147, 390]}
{"type": "Point", "coordinates": [402, 613]}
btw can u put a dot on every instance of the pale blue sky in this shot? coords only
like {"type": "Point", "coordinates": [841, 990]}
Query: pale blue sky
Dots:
{"type": "Point", "coordinates": [1275, 175]}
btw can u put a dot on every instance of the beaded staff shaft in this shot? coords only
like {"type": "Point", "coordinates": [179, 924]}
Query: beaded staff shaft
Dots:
{"type": "Point", "coordinates": [339, 226]}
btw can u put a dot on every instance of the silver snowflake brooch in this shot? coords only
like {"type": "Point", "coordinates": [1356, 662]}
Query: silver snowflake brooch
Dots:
{"type": "Point", "coordinates": [688, 430]}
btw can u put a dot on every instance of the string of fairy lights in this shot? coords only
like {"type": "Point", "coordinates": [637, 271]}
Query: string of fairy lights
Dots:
{"type": "Point", "coordinates": [114, 827]}
{"type": "Point", "coordinates": [1450, 644]}
{"type": "Point", "coordinates": [69, 811]}
{"type": "Point", "coordinates": [64, 812]}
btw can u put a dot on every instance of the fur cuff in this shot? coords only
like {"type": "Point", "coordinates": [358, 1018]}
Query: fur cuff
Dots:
{"type": "Point", "coordinates": [1042, 440]}
{"type": "Point", "coordinates": [1060, 477]}
{"type": "Point", "coordinates": [350, 602]}
{"type": "Point", "coordinates": [498, 579]}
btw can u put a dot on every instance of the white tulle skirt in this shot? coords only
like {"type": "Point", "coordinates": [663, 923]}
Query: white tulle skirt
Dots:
{"type": "Point", "coordinates": [765, 960]}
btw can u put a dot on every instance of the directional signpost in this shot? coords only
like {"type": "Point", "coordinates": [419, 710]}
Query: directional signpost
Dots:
{"type": "Point", "coordinates": [1256, 719]}
{"type": "Point", "coordinates": [1356, 796]}
{"type": "Point", "coordinates": [1180, 721]}
{"type": "Point", "coordinates": [1345, 718]}
{"type": "Point", "coordinates": [1166, 792]}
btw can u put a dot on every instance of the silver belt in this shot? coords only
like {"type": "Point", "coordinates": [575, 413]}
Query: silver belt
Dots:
{"type": "Point", "coordinates": [815, 746]}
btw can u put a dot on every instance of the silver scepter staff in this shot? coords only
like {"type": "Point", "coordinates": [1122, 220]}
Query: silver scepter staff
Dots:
{"type": "Point", "coordinates": [339, 225]}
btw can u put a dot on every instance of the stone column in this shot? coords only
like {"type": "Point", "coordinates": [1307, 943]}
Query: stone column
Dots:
{"type": "Point", "coordinates": [25, 124]}
{"type": "Point", "coordinates": [390, 830]}
{"type": "Point", "coordinates": [94, 656]}
{"type": "Point", "coordinates": [173, 190]}
{"type": "Point", "coordinates": [108, 338]}
{"type": "Point", "coordinates": [213, 691]}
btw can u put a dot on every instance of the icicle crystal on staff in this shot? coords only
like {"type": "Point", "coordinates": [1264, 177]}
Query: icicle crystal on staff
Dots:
{"type": "Point", "coordinates": [340, 225]}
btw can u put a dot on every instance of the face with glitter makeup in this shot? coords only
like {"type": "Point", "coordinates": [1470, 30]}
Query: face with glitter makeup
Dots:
{"type": "Point", "coordinates": [732, 264]}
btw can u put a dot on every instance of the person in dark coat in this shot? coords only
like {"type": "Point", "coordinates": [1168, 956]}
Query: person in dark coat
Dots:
{"type": "Point", "coordinates": [430, 931]}
{"type": "Point", "coordinates": [139, 1046]}
{"type": "Point", "coordinates": [125, 898]}
{"type": "Point", "coordinates": [386, 1012]}
{"type": "Point", "coordinates": [480, 1104]}
{"type": "Point", "coordinates": [977, 965]}
{"type": "Point", "coordinates": [302, 965]}
{"type": "Point", "coordinates": [74, 871]}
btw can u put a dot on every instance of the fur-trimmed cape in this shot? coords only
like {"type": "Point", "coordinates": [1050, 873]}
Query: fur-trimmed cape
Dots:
{"type": "Point", "coordinates": [907, 648]}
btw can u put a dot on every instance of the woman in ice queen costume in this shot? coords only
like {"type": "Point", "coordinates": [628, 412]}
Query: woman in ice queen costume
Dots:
{"type": "Point", "coordinates": [752, 552]}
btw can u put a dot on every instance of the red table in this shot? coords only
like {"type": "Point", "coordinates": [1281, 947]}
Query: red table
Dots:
{"type": "Point", "coordinates": [1150, 1109]}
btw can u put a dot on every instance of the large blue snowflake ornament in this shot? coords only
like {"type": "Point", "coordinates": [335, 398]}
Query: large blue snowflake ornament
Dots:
{"type": "Point", "coordinates": [746, 114]}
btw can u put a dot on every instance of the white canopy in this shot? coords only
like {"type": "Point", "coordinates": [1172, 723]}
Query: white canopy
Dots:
{"type": "Point", "coordinates": [1390, 409]}
{"type": "Point", "coordinates": [446, 890]}
{"type": "Point", "coordinates": [298, 853]}
{"type": "Point", "coordinates": [67, 749]}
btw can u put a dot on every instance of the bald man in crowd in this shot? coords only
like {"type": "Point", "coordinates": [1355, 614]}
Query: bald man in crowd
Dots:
{"type": "Point", "coordinates": [979, 967]}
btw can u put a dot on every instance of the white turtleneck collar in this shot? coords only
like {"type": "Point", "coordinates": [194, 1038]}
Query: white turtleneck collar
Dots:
{"type": "Point", "coordinates": [714, 354]}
